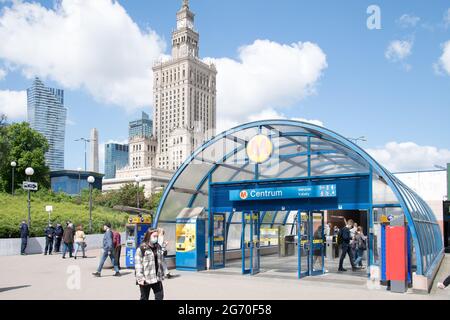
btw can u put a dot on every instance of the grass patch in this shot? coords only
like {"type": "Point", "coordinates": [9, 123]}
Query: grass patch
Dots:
{"type": "Point", "coordinates": [14, 209]}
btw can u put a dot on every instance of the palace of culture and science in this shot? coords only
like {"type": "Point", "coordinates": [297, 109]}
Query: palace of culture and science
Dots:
{"type": "Point", "coordinates": [184, 113]}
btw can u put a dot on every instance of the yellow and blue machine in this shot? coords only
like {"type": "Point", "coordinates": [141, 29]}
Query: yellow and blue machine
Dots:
{"type": "Point", "coordinates": [135, 232]}
{"type": "Point", "coordinates": [190, 240]}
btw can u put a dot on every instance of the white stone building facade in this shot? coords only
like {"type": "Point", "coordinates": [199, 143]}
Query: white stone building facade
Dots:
{"type": "Point", "coordinates": [184, 97]}
{"type": "Point", "coordinates": [184, 113]}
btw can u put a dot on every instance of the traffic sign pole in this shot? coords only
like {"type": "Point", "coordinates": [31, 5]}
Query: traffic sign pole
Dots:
{"type": "Point", "coordinates": [29, 186]}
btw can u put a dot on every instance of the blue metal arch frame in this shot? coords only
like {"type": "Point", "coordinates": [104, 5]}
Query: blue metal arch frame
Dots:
{"type": "Point", "coordinates": [396, 186]}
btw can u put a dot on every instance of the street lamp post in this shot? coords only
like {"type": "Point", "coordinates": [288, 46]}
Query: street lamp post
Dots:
{"type": "Point", "coordinates": [138, 179]}
{"type": "Point", "coordinates": [29, 172]}
{"type": "Point", "coordinates": [85, 144]}
{"type": "Point", "coordinates": [13, 167]}
{"type": "Point", "coordinates": [90, 180]}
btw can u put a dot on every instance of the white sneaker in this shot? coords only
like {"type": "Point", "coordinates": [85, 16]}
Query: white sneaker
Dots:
{"type": "Point", "coordinates": [440, 285]}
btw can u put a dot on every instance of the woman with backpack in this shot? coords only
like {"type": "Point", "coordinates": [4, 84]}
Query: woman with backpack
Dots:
{"type": "Point", "coordinates": [149, 266]}
{"type": "Point", "coordinates": [360, 246]}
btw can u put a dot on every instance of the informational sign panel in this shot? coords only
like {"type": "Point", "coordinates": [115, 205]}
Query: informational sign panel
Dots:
{"type": "Point", "coordinates": [48, 208]}
{"type": "Point", "coordinates": [32, 186]}
{"type": "Point", "coordinates": [320, 191]}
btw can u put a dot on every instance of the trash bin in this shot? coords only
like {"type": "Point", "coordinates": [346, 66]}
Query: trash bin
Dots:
{"type": "Point", "coordinates": [289, 245]}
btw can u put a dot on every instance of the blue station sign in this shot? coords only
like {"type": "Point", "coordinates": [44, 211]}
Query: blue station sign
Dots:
{"type": "Point", "coordinates": [320, 191]}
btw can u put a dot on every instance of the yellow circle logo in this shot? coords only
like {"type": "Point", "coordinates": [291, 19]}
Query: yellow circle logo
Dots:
{"type": "Point", "coordinates": [259, 148]}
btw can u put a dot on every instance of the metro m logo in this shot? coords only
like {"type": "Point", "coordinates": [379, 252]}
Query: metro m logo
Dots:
{"type": "Point", "coordinates": [259, 148]}
{"type": "Point", "coordinates": [243, 194]}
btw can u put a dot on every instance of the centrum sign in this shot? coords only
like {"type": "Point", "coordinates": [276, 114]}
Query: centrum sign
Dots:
{"type": "Point", "coordinates": [320, 191]}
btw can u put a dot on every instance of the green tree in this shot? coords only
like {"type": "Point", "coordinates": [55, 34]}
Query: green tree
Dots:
{"type": "Point", "coordinates": [4, 145]}
{"type": "Point", "coordinates": [155, 200]}
{"type": "Point", "coordinates": [27, 148]}
{"type": "Point", "coordinates": [129, 193]}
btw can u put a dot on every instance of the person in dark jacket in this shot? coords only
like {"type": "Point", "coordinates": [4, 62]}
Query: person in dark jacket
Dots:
{"type": "Point", "coordinates": [108, 250]}
{"type": "Point", "coordinates": [49, 236]}
{"type": "Point", "coordinates": [59, 231]}
{"type": "Point", "coordinates": [346, 249]}
{"type": "Point", "coordinates": [68, 237]}
{"type": "Point", "coordinates": [24, 233]}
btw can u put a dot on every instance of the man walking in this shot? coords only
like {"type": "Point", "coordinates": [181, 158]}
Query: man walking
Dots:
{"type": "Point", "coordinates": [49, 236]}
{"type": "Point", "coordinates": [108, 250]}
{"type": "Point", "coordinates": [68, 237]}
{"type": "Point", "coordinates": [59, 231]}
{"type": "Point", "coordinates": [346, 249]}
{"type": "Point", "coordinates": [24, 233]}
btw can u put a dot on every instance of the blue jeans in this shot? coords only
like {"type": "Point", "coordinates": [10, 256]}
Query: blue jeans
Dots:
{"type": "Point", "coordinates": [103, 259]}
{"type": "Point", "coordinates": [359, 257]}
{"type": "Point", "coordinates": [79, 245]}
{"type": "Point", "coordinates": [68, 247]}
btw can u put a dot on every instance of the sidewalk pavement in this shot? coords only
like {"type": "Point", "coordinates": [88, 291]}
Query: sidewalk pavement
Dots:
{"type": "Point", "coordinates": [52, 278]}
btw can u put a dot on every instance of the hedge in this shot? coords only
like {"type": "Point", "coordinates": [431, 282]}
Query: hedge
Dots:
{"type": "Point", "coordinates": [14, 209]}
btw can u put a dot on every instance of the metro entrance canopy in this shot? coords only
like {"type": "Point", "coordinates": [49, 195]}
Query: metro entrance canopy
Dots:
{"type": "Point", "coordinates": [276, 166]}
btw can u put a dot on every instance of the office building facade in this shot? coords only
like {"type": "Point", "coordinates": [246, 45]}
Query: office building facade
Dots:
{"type": "Point", "coordinates": [47, 115]}
{"type": "Point", "coordinates": [184, 96]}
{"type": "Point", "coordinates": [116, 157]}
{"type": "Point", "coordinates": [142, 128]}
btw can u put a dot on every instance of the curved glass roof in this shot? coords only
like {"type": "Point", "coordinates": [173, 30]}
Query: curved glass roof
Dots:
{"type": "Point", "coordinates": [300, 150]}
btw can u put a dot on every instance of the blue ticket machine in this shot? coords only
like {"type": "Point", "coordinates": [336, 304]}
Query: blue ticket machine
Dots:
{"type": "Point", "coordinates": [135, 232]}
{"type": "Point", "coordinates": [190, 240]}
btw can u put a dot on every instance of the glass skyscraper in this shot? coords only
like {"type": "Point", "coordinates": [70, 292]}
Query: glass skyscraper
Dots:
{"type": "Point", "coordinates": [47, 115]}
{"type": "Point", "coordinates": [116, 157]}
{"type": "Point", "coordinates": [142, 128]}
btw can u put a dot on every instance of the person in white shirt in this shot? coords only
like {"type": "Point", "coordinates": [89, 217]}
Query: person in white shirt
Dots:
{"type": "Point", "coordinates": [163, 245]}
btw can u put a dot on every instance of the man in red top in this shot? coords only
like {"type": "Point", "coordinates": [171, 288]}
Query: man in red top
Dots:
{"type": "Point", "coordinates": [117, 247]}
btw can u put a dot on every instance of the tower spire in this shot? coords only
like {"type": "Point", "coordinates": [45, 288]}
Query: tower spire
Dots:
{"type": "Point", "coordinates": [185, 4]}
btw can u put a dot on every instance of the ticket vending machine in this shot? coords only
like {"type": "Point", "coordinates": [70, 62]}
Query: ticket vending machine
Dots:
{"type": "Point", "coordinates": [135, 232]}
{"type": "Point", "coordinates": [190, 240]}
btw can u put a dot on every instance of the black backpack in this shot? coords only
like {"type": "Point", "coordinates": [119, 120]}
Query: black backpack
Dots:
{"type": "Point", "coordinates": [362, 245]}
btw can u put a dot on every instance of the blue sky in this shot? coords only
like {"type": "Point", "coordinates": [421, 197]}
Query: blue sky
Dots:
{"type": "Point", "coordinates": [360, 92]}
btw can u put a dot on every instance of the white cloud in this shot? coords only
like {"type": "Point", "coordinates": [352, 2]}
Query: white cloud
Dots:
{"type": "Point", "coordinates": [3, 74]}
{"type": "Point", "coordinates": [93, 45]}
{"type": "Point", "coordinates": [13, 104]}
{"type": "Point", "coordinates": [266, 76]}
{"type": "Point", "coordinates": [96, 46]}
{"type": "Point", "coordinates": [408, 20]}
{"type": "Point", "coordinates": [267, 114]}
{"type": "Point", "coordinates": [443, 65]}
{"type": "Point", "coordinates": [409, 156]}
{"type": "Point", "coordinates": [270, 114]}
{"type": "Point", "coordinates": [399, 50]}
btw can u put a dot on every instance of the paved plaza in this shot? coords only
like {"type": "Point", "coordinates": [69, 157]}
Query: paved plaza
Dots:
{"type": "Point", "coordinates": [52, 278]}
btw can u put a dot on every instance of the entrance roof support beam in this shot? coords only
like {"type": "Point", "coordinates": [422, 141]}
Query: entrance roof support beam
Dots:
{"type": "Point", "coordinates": [211, 171]}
